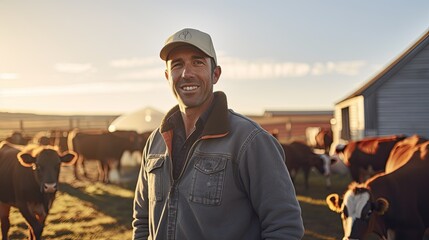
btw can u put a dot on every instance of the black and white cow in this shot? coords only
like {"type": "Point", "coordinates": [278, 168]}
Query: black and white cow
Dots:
{"type": "Point", "coordinates": [29, 181]}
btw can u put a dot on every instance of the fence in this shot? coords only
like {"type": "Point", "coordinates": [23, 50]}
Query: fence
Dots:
{"type": "Point", "coordinates": [30, 124]}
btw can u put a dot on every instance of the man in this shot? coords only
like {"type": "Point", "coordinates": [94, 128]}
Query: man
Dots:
{"type": "Point", "coordinates": [208, 172]}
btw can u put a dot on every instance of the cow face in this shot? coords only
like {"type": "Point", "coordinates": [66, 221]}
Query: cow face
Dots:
{"type": "Point", "coordinates": [358, 211]}
{"type": "Point", "coordinates": [327, 162]}
{"type": "Point", "coordinates": [318, 162]}
{"type": "Point", "coordinates": [46, 166]}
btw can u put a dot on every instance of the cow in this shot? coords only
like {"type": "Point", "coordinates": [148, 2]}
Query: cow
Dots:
{"type": "Point", "coordinates": [368, 156]}
{"type": "Point", "coordinates": [17, 138]}
{"type": "Point", "coordinates": [393, 204]}
{"type": "Point", "coordinates": [29, 182]}
{"type": "Point", "coordinates": [105, 147]}
{"type": "Point", "coordinates": [324, 140]}
{"type": "Point", "coordinates": [299, 155]}
{"type": "Point", "coordinates": [57, 138]}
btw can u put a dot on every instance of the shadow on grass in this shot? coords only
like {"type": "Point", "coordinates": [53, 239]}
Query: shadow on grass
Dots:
{"type": "Point", "coordinates": [109, 203]}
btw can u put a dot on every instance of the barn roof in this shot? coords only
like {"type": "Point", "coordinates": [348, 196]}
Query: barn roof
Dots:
{"type": "Point", "coordinates": [271, 113]}
{"type": "Point", "coordinates": [392, 68]}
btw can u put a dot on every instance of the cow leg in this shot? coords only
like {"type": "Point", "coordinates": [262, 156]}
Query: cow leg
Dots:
{"type": "Point", "coordinates": [85, 173]}
{"type": "Point", "coordinates": [328, 182]}
{"type": "Point", "coordinates": [105, 172]}
{"type": "Point", "coordinates": [306, 174]}
{"type": "Point", "coordinates": [35, 222]}
{"type": "Point", "coordinates": [292, 174]}
{"type": "Point", "coordinates": [4, 219]}
{"type": "Point", "coordinates": [113, 171]}
{"type": "Point", "coordinates": [77, 165]}
{"type": "Point", "coordinates": [100, 168]}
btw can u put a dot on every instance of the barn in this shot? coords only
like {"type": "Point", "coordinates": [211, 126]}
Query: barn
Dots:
{"type": "Point", "coordinates": [295, 125]}
{"type": "Point", "coordinates": [395, 101]}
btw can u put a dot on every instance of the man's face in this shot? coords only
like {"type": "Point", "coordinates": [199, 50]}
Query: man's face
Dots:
{"type": "Point", "coordinates": [190, 75]}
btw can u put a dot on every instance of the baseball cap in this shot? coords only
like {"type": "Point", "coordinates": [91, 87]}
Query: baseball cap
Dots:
{"type": "Point", "coordinates": [189, 36]}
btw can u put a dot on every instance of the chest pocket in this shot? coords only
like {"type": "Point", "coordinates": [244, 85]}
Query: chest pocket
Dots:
{"type": "Point", "coordinates": [154, 172]}
{"type": "Point", "coordinates": [208, 179]}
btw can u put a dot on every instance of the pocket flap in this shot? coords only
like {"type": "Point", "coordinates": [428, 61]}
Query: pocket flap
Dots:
{"type": "Point", "coordinates": [210, 164]}
{"type": "Point", "coordinates": [154, 162]}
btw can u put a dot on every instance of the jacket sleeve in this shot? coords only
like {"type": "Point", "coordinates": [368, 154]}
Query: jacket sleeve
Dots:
{"type": "Point", "coordinates": [140, 214]}
{"type": "Point", "coordinates": [268, 184]}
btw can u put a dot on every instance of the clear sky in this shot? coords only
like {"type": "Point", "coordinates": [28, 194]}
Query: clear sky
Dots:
{"type": "Point", "coordinates": [102, 56]}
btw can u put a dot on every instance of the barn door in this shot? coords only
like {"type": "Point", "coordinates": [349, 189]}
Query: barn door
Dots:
{"type": "Point", "coordinates": [345, 123]}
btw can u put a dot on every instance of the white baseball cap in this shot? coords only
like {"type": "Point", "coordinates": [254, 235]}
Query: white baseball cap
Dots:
{"type": "Point", "coordinates": [196, 38]}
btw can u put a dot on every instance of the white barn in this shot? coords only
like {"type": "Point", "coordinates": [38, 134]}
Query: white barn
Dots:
{"type": "Point", "coordinates": [395, 101]}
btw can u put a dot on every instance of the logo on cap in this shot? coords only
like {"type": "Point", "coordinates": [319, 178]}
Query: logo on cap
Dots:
{"type": "Point", "coordinates": [185, 35]}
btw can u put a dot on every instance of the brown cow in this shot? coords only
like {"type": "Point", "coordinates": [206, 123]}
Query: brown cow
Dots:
{"type": "Point", "coordinates": [368, 156]}
{"type": "Point", "coordinates": [394, 204]}
{"type": "Point", "coordinates": [17, 138]}
{"type": "Point", "coordinates": [324, 140]}
{"type": "Point", "coordinates": [299, 155]}
{"type": "Point", "coordinates": [29, 181]}
{"type": "Point", "coordinates": [105, 147]}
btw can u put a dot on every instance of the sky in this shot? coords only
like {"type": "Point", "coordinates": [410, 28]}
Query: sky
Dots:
{"type": "Point", "coordinates": [102, 56]}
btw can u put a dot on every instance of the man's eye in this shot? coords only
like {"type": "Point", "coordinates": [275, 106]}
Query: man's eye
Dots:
{"type": "Point", "coordinates": [198, 62]}
{"type": "Point", "coordinates": [176, 65]}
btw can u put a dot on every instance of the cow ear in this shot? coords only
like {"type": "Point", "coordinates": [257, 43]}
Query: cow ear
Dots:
{"type": "Point", "coordinates": [68, 158]}
{"type": "Point", "coordinates": [26, 159]}
{"type": "Point", "coordinates": [334, 202]}
{"type": "Point", "coordinates": [381, 205]}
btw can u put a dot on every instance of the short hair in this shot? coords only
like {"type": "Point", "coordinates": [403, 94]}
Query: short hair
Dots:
{"type": "Point", "coordinates": [213, 64]}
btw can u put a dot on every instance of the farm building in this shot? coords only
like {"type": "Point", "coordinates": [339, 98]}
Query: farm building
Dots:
{"type": "Point", "coordinates": [295, 125]}
{"type": "Point", "coordinates": [395, 101]}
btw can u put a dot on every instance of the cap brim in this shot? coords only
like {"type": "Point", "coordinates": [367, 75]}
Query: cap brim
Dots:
{"type": "Point", "coordinates": [167, 48]}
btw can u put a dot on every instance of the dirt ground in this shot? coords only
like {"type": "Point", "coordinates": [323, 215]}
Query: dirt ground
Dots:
{"type": "Point", "coordinates": [87, 209]}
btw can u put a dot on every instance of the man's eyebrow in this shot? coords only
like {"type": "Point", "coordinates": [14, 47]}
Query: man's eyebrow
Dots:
{"type": "Point", "coordinates": [195, 57]}
{"type": "Point", "coordinates": [175, 60]}
{"type": "Point", "coordinates": [198, 57]}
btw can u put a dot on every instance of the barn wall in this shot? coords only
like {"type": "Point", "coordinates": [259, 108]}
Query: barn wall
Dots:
{"type": "Point", "coordinates": [293, 127]}
{"type": "Point", "coordinates": [371, 115]}
{"type": "Point", "coordinates": [356, 120]}
{"type": "Point", "coordinates": [403, 100]}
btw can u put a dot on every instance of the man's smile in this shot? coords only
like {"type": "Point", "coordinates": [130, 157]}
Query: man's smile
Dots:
{"type": "Point", "coordinates": [189, 88]}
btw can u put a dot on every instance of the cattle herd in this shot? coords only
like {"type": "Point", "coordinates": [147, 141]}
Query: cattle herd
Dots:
{"type": "Point", "coordinates": [30, 168]}
{"type": "Point", "coordinates": [388, 196]}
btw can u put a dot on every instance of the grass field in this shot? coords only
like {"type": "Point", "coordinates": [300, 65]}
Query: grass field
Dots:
{"type": "Point", "coordinates": [87, 210]}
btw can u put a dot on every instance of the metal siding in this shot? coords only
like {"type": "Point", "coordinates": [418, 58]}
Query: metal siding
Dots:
{"type": "Point", "coordinates": [403, 100]}
{"type": "Point", "coordinates": [371, 116]}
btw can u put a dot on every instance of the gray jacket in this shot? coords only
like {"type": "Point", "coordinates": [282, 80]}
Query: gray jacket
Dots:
{"type": "Point", "coordinates": [234, 185]}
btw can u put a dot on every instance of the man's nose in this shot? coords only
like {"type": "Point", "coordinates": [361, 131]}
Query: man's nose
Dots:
{"type": "Point", "coordinates": [187, 71]}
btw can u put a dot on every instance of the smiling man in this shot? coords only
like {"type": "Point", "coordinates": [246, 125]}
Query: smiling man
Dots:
{"type": "Point", "coordinates": [208, 172]}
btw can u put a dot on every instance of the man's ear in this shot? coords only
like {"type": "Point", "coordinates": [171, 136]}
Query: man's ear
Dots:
{"type": "Point", "coordinates": [216, 74]}
{"type": "Point", "coordinates": [166, 74]}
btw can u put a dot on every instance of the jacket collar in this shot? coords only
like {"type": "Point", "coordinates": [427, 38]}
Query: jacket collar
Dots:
{"type": "Point", "coordinates": [217, 124]}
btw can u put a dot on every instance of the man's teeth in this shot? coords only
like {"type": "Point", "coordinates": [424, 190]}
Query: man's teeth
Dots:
{"type": "Point", "coordinates": [190, 88]}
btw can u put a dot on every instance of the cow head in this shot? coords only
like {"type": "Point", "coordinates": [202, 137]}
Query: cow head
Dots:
{"type": "Point", "coordinates": [327, 162]}
{"type": "Point", "coordinates": [318, 162]}
{"type": "Point", "coordinates": [360, 214]}
{"type": "Point", "coordinates": [46, 164]}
